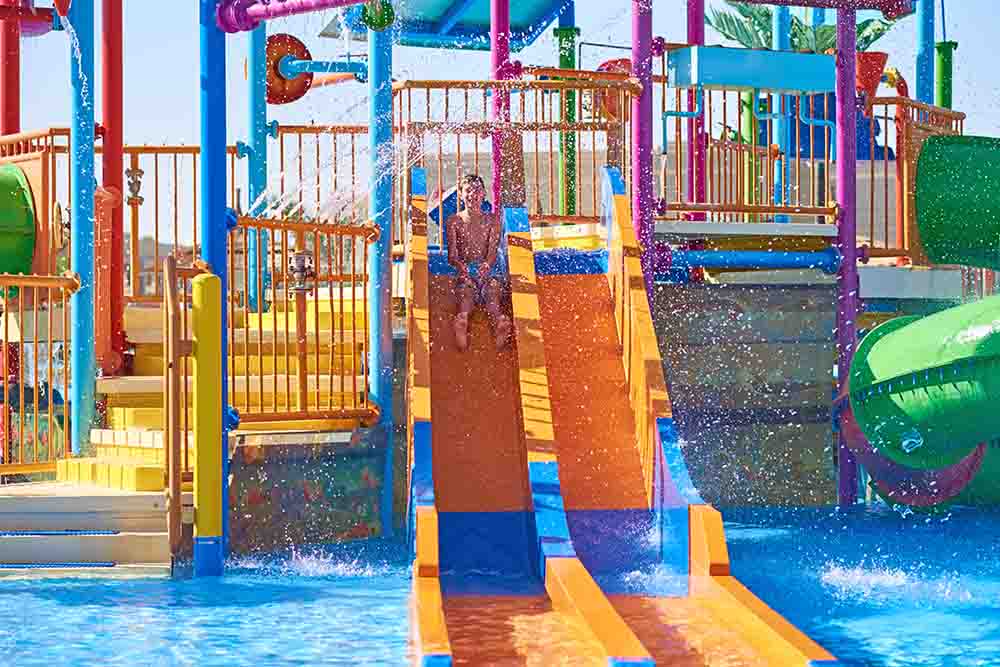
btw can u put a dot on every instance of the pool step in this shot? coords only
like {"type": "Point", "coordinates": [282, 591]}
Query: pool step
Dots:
{"type": "Point", "coordinates": [77, 548]}
{"type": "Point", "coordinates": [60, 527]}
{"type": "Point", "coordinates": [66, 507]}
{"type": "Point", "coordinates": [84, 570]}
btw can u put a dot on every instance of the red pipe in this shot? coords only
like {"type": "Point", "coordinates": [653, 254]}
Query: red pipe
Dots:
{"type": "Point", "coordinates": [114, 163]}
{"type": "Point", "coordinates": [25, 15]}
{"type": "Point", "coordinates": [10, 73]}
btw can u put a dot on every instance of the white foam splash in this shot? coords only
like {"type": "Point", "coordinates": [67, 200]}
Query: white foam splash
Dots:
{"type": "Point", "coordinates": [887, 584]}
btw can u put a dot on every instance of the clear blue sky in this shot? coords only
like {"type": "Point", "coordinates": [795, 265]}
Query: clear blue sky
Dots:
{"type": "Point", "coordinates": [161, 66]}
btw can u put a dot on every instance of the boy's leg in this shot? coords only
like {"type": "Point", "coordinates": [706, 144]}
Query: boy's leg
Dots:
{"type": "Point", "coordinates": [493, 294]}
{"type": "Point", "coordinates": [465, 296]}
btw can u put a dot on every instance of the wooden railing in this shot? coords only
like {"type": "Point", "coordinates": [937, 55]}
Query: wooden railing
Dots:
{"type": "Point", "coordinates": [176, 350]}
{"type": "Point", "coordinates": [640, 352]}
{"type": "Point", "coordinates": [34, 361]}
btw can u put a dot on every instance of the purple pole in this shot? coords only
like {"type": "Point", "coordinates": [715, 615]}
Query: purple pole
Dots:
{"type": "Point", "coordinates": [696, 126]}
{"type": "Point", "coordinates": [244, 15]}
{"type": "Point", "coordinates": [848, 284]}
{"type": "Point", "coordinates": [500, 66]}
{"type": "Point", "coordinates": [642, 133]}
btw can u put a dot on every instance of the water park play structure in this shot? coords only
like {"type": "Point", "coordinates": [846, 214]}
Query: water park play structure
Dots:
{"type": "Point", "coordinates": [686, 323]}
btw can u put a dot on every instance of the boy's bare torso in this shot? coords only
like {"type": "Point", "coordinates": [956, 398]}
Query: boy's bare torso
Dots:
{"type": "Point", "coordinates": [474, 234]}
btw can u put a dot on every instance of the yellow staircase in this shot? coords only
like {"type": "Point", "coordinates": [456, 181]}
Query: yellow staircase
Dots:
{"type": "Point", "coordinates": [264, 362]}
{"type": "Point", "coordinates": [124, 460]}
{"type": "Point", "coordinates": [130, 456]}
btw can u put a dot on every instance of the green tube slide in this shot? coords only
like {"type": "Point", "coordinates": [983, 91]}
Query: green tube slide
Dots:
{"type": "Point", "coordinates": [925, 391]}
{"type": "Point", "coordinates": [17, 221]}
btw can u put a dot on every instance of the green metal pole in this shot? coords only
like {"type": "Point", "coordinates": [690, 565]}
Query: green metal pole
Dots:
{"type": "Point", "coordinates": [945, 71]}
{"type": "Point", "coordinates": [566, 37]}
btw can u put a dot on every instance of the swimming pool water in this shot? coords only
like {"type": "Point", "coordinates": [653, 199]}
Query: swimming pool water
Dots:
{"type": "Point", "coordinates": [877, 588]}
{"type": "Point", "coordinates": [326, 608]}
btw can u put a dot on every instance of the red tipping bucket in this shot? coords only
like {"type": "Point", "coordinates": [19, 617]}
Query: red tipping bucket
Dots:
{"type": "Point", "coordinates": [62, 6]}
{"type": "Point", "coordinates": [870, 66]}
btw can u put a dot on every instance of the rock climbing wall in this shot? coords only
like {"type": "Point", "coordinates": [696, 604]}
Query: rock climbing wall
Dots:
{"type": "Point", "coordinates": [750, 373]}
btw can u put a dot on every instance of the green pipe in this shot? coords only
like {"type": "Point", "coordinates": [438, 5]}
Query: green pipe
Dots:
{"type": "Point", "coordinates": [748, 132]}
{"type": "Point", "coordinates": [945, 71]}
{"type": "Point", "coordinates": [566, 37]}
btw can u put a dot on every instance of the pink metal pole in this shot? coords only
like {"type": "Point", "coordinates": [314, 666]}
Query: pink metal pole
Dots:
{"type": "Point", "coordinates": [500, 68]}
{"type": "Point", "coordinates": [696, 126]}
{"type": "Point", "coordinates": [642, 131]}
{"type": "Point", "coordinates": [244, 15]}
{"type": "Point", "coordinates": [848, 285]}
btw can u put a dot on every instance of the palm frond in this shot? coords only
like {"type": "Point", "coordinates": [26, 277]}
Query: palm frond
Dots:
{"type": "Point", "coordinates": [747, 33]}
{"type": "Point", "coordinates": [872, 30]}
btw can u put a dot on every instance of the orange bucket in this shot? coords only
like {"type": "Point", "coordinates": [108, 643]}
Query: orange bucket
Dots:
{"type": "Point", "coordinates": [870, 65]}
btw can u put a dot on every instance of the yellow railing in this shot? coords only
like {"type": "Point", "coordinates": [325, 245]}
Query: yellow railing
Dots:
{"type": "Point", "coordinates": [34, 361]}
{"type": "Point", "coordinates": [647, 388]}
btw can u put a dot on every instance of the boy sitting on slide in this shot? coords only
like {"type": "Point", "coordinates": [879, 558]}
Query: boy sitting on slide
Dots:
{"type": "Point", "coordinates": [473, 246]}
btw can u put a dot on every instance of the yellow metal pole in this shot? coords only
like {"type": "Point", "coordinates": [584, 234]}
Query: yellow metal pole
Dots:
{"type": "Point", "coordinates": [209, 550]}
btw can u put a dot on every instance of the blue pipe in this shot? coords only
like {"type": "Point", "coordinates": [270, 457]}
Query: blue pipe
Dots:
{"type": "Point", "coordinates": [567, 17]}
{"type": "Point", "coordinates": [81, 141]}
{"type": "Point", "coordinates": [452, 17]}
{"type": "Point", "coordinates": [782, 41]}
{"type": "Point", "coordinates": [209, 555]}
{"type": "Point", "coordinates": [925, 51]}
{"type": "Point", "coordinates": [257, 156]}
{"type": "Point", "coordinates": [380, 366]}
{"type": "Point", "coordinates": [291, 67]}
{"type": "Point", "coordinates": [813, 122]}
{"type": "Point", "coordinates": [826, 260]}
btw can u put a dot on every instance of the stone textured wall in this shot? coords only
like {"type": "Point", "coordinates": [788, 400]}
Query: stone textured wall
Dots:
{"type": "Point", "coordinates": [750, 373]}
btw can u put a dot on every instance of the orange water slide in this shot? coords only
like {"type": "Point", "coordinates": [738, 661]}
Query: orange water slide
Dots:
{"type": "Point", "coordinates": [491, 586]}
{"type": "Point", "coordinates": [635, 519]}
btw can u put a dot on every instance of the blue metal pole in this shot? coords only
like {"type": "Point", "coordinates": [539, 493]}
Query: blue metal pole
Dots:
{"type": "Point", "coordinates": [379, 253]}
{"type": "Point", "coordinates": [781, 30]}
{"type": "Point", "coordinates": [817, 16]}
{"type": "Point", "coordinates": [210, 556]}
{"type": "Point", "coordinates": [257, 160]}
{"type": "Point", "coordinates": [925, 51]}
{"type": "Point", "coordinates": [81, 141]}
{"type": "Point", "coordinates": [291, 67]}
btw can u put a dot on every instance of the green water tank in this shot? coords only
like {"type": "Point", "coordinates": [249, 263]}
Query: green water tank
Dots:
{"type": "Point", "coordinates": [17, 221]}
{"type": "Point", "coordinates": [958, 200]}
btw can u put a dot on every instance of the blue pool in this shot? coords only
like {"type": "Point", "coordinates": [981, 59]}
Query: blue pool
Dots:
{"type": "Point", "coordinates": [322, 609]}
{"type": "Point", "coordinates": [875, 587]}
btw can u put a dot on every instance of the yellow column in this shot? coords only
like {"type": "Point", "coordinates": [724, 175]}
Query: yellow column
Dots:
{"type": "Point", "coordinates": [209, 550]}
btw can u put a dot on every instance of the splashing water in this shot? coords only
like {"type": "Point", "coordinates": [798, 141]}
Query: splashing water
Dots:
{"type": "Point", "coordinates": [74, 42]}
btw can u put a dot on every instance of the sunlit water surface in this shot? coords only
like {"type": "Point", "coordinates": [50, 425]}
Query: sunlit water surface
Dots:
{"type": "Point", "coordinates": [877, 588]}
{"type": "Point", "coordinates": [329, 609]}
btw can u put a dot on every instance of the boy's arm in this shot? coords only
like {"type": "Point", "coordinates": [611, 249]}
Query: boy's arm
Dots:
{"type": "Point", "coordinates": [493, 246]}
{"type": "Point", "coordinates": [453, 257]}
